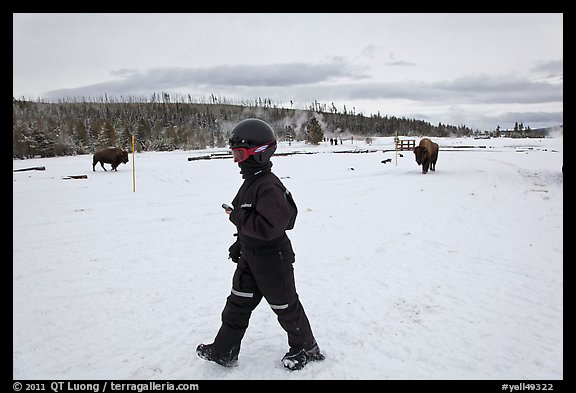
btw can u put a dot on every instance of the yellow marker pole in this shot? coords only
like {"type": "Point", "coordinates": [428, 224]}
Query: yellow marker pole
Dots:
{"type": "Point", "coordinates": [396, 140]}
{"type": "Point", "coordinates": [133, 172]}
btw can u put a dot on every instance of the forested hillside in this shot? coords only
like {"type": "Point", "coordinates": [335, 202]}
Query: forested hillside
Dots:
{"type": "Point", "coordinates": [68, 128]}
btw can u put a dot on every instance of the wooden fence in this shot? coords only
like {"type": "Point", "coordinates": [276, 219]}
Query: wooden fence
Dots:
{"type": "Point", "coordinates": [405, 144]}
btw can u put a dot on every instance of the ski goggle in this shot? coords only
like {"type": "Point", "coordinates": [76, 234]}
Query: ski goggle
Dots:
{"type": "Point", "coordinates": [241, 154]}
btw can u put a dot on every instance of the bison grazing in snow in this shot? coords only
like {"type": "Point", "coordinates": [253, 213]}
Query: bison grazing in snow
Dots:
{"type": "Point", "coordinates": [426, 154]}
{"type": "Point", "coordinates": [110, 155]}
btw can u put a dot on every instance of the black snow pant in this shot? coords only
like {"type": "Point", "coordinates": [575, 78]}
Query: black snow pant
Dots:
{"type": "Point", "coordinates": [268, 273]}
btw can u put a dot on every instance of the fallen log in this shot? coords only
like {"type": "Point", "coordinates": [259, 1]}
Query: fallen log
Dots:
{"type": "Point", "coordinates": [290, 153]}
{"type": "Point", "coordinates": [34, 168]}
{"type": "Point", "coordinates": [355, 151]}
{"type": "Point", "coordinates": [75, 177]}
{"type": "Point", "coordinates": [216, 156]}
{"type": "Point", "coordinates": [199, 158]}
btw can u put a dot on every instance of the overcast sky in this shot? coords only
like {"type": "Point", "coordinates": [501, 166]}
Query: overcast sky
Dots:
{"type": "Point", "coordinates": [477, 69]}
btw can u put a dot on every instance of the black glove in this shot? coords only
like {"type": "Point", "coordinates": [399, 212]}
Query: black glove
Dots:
{"type": "Point", "coordinates": [234, 251]}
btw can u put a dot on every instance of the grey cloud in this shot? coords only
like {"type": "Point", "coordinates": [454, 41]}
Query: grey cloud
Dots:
{"type": "Point", "coordinates": [552, 67]}
{"type": "Point", "coordinates": [400, 63]}
{"type": "Point", "coordinates": [273, 75]}
{"type": "Point", "coordinates": [473, 90]}
{"type": "Point", "coordinates": [269, 75]}
{"type": "Point", "coordinates": [553, 70]}
{"type": "Point", "coordinates": [503, 89]}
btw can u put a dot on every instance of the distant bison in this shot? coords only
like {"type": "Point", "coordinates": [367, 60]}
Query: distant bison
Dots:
{"type": "Point", "coordinates": [426, 154]}
{"type": "Point", "coordinates": [110, 155]}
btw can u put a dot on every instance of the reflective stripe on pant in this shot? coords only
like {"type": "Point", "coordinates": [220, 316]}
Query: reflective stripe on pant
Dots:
{"type": "Point", "coordinates": [270, 275]}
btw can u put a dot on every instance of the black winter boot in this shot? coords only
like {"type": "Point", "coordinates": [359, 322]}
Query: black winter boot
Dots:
{"type": "Point", "coordinates": [227, 359]}
{"type": "Point", "coordinates": [296, 359]}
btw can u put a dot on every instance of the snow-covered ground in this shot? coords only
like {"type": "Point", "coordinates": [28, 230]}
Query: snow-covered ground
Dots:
{"type": "Point", "coordinates": [456, 274]}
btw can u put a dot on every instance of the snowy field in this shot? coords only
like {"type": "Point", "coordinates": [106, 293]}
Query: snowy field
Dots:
{"type": "Point", "coordinates": [455, 274]}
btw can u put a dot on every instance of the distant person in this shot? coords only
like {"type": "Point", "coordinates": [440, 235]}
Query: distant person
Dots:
{"type": "Point", "coordinates": [262, 211]}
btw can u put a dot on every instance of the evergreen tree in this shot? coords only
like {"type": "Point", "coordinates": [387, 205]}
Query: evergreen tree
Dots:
{"type": "Point", "coordinates": [109, 137]}
{"type": "Point", "coordinates": [314, 132]}
{"type": "Point", "coordinates": [19, 140]}
{"type": "Point", "coordinates": [81, 137]}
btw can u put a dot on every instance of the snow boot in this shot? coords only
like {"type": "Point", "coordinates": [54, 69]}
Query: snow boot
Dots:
{"type": "Point", "coordinates": [296, 359]}
{"type": "Point", "coordinates": [227, 359]}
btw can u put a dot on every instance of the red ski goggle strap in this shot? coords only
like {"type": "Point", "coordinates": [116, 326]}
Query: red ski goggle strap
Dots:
{"type": "Point", "coordinates": [241, 154]}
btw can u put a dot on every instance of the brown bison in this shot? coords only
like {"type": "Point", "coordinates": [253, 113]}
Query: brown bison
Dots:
{"type": "Point", "coordinates": [426, 154]}
{"type": "Point", "coordinates": [110, 155]}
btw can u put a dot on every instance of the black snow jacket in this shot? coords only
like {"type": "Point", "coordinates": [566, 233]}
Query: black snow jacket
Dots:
{"type": "Point", "coordinates": [263, 210]}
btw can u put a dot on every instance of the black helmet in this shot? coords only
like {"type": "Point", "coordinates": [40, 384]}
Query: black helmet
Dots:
{"type": "Point", "coordinates": [252, 137]}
